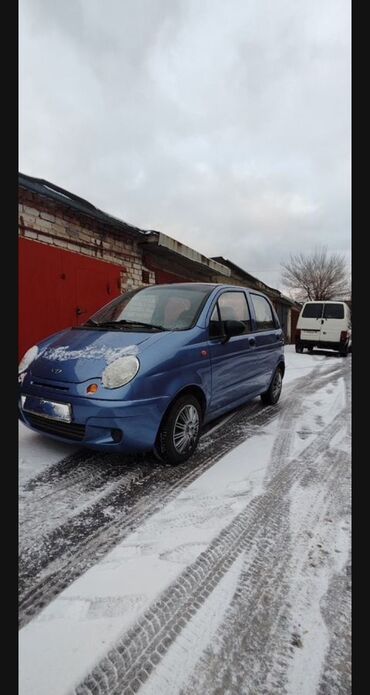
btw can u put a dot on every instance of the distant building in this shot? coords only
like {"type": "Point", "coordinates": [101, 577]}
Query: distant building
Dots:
{"type": "Point", "coordinates": [74, 258]}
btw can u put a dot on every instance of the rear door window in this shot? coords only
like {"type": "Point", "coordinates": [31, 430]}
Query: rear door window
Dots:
{"type": "Point", "coordinates": [264, 316]}
{"type": "Point", "coordinates": [313, 311]}
{"type": "Point", "coordinates": [333, 311]}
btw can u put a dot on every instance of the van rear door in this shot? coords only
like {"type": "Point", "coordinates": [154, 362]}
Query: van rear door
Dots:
{"type": "Point", "coordinates": [333, 322]}
{"type": "Point", "coordinates": [310, 321]}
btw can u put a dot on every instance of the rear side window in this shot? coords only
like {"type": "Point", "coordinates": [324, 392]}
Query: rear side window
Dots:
{"type": "Point", "coordinates": [264, 315]}
{"type": "Point", "coordinates": [313, 311]}
{"type": "Point", "coordinates": [333, 311]}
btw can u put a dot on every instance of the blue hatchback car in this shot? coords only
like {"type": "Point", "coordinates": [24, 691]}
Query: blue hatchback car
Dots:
{"type": "Point", "coordinates": [149, 368]}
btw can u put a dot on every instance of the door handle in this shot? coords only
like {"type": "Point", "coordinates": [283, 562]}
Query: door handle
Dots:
{"type": "Point", "coordinates": [252, 342]}
{"type": "Point", "coordinates": [80, 311]}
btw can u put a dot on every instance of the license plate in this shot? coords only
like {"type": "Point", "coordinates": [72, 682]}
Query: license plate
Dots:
{"type": "Point", "coordinates": [49, 409]}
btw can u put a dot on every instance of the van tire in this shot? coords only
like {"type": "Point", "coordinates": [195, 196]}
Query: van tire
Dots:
{"type": "Point", "coordinates": [343, 352]}
{"type": "Point", "coordinates": [298, 348]}
{"type": "Point", "coordinates": [272, 395]}
{"type": "Point", "coordinates": [184, 415]}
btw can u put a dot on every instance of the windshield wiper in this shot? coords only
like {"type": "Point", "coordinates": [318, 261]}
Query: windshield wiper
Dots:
{"type": "Point", "coordinates": [125, 322]}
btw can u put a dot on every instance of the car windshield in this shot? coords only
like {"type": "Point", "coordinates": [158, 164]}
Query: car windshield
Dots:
{"type": "Point", "coordinates": [167, 308]}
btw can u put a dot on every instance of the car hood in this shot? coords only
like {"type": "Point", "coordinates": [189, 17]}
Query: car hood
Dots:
{"type": "Point", "coordinates": [79, 355]}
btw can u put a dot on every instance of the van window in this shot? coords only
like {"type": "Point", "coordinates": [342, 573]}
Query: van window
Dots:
{"type": "Point", "coordinates": [333, 311]}
{"type": "Point", "coordinates": [313, 311]}
{"type": "Point", "coordinates": [264, 316]}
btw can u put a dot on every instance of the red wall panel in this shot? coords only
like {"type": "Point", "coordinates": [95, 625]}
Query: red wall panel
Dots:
{"type": "Point", "coordinates": [58, 289]}
{"type": "Point", "coordinates": [162, 277]}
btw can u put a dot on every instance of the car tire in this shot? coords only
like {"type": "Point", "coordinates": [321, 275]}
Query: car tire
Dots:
{"type": "Point", "coordinates": [272, 395]}
{"type": "Point", "coordinates": [298, 348]}
{"type": "Point", "coordinates": [310, 350]}
{"type": "Point", "coordinates": [179, 432]}
{"type": "Point", "coordinates": [343, 352]}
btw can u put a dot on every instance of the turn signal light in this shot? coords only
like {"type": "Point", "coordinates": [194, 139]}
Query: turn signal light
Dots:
{"type": "Point", "coordinates": [92, 388]}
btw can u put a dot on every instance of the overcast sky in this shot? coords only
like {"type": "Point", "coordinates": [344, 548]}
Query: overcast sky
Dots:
{"type": "Point", "coordinates": [224, 124]}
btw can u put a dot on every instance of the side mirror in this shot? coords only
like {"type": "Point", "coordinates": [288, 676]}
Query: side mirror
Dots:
{"type": "Point", "coordinates": [232, 328]}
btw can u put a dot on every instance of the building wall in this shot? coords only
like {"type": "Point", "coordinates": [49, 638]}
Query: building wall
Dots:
{"type": "Point", "coordinates": [294, 321]}
{"type": "Point", "coordinates": [50, 223]}
{"type": "Point", "coordinates": [69, 262]}
{"type": "Point", "coordinates": [47, 222]}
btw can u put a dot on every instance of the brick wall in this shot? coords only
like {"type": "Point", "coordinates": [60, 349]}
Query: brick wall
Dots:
{"type": "Point", "coordinates": [50, 223]}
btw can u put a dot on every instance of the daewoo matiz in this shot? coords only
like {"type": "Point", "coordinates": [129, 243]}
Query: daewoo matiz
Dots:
{"type": "Point", "coordinates": [149, 368]}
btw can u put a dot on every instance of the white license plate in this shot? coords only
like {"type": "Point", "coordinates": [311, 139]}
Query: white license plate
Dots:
{"type": "Point", "coordinates": [45, 408]}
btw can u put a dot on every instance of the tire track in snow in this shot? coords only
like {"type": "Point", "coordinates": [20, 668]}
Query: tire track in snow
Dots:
{"type": "Point", "coordinates": [129, 664]}
{"type": "Point", "coordinates": [336, 609]}
{"type": "Point", "coordinates": [295, 409]}
{"type": "Point", "coordinates": [60, 555]}
{"type": "Point", "coordinates": [252, 652]}
{"type": "Point", "coordinates": [299, 649]}
{"type": "Point", "coordinates": [259, 661]}
{"type": "Point", "coordinates": [62, 492]}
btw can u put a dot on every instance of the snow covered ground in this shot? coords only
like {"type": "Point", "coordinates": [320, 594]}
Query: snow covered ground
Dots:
{"type": "Point", "coordinates": [229, 574]}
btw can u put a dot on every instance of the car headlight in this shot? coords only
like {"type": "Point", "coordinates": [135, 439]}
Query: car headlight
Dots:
{"type": "Point", "coordinates": [120, 372]}
{"type": "Point", "coordinates": [27, 358]}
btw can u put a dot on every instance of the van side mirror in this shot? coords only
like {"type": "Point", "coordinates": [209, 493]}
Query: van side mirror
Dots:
{"type": "Point", "coordinates": [232, 327]}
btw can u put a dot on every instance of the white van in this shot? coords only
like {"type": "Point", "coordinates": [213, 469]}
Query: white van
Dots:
{"type": "Point", "coordinates": [325, 325]}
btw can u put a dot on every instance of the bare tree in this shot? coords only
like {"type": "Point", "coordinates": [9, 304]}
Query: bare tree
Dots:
{"type": "Point", "coordinates": [318, 275]}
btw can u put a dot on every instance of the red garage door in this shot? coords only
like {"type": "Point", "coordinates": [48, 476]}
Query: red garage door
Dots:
{"type": "Point", "coordinates": [58, 289]}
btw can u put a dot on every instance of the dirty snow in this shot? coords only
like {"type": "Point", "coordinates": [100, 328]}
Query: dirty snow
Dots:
{"type": "Point", "coordinates": [37, 453]}
{"type": "Point", "coordinates": [68, 637]}
{"type": "Point", "coordinates": [305, 670]}
{"type": "Point", "coordinates": [136, 571]}
{"type": "Point", "coordinates": [298, 365]}
{"type": "Point", "coordinates": [181, 658]}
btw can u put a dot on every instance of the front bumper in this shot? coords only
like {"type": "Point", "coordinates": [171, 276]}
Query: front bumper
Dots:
{"type": "Point", "coordinates": [96, 423]}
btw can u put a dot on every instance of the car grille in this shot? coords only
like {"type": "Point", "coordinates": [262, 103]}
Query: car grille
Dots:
{"type": "Point", "coordinates": [50, 386]}
{"type": "Point", "coordinates": [68, 430]}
